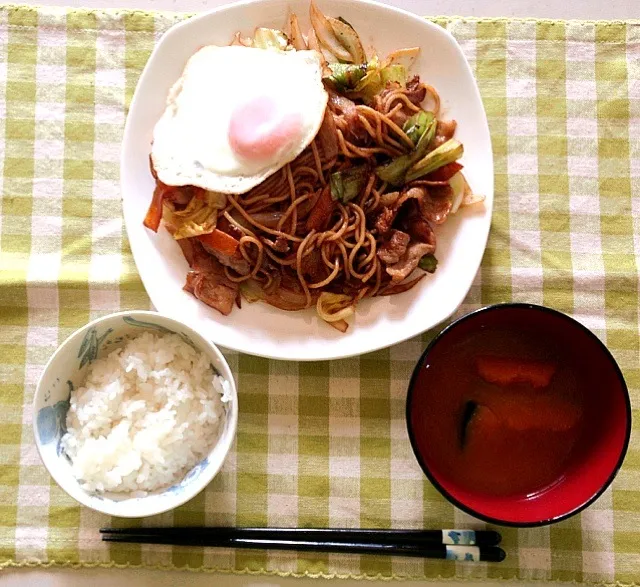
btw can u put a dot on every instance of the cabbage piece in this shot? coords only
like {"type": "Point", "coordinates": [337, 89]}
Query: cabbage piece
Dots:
{"type": "Point", "coordinates": [405, 57]}
{"type": "Point", "coordinates": [345, 76]}
{"type": "Point", "coordinates": [370, 85]}
{"type": "Point", "coordinates": [470, 199]}
{"type": "Point", "coordinates": [467, 197]}
{"type": "Point", "coordinates": [199, 217]}
{"type": "Point", "coordinates": [395, 171]}
{"type": "Point", "coordinates": [273, 39]}
{"type": "Point", "coordinates": [457, 183]}
{"type": "Point", "coordinates": [251, 291]}
{"type": "Point", "coordinates": [372, 80]}
{"type": "Point", "coordinates": [428, 263]}
{"type": "Point", "coordinates": [462, 194]}
{"type": "Point", "coordinates": [448, 152]}
{"type": "Point", "coordinates": [372, 67]}
{"type": "Point", "coordinates": [416, 126]}
{"type": "Point", "coordinates": [377, 78]}
{"type": "Point", "coordinates": [347, 184]}
{"type": "Point", "coordinates": [394, 74]}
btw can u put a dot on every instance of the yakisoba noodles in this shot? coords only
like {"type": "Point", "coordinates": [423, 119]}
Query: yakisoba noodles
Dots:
{"type": "Point", "coordinates": [349, 218]}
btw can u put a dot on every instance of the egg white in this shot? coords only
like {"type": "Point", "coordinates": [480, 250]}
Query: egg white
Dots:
{"type": "Point", "coordinates": [190, 141]}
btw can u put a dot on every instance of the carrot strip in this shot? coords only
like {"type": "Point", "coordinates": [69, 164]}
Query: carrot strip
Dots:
{"type": "Point", "coordinates": [321, 212]}
{"type": "Point", "coordinates": [220, 241]}
{"type": "Point", "coordinates": [445, 173]}
{"type": "Point", "coordinates": [154, 213]}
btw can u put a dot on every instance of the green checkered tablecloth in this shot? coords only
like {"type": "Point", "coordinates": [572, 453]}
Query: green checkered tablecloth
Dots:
{"type": "Point", "coordinates": [319, 444]}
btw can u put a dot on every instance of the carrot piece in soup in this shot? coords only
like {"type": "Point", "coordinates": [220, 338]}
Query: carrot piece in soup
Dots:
{"type": "Point", "coordinates": [503, 371]}
{"type": "Point", "coordinates": [522, 410]}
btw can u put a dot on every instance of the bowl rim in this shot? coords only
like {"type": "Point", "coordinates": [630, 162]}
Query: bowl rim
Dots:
{"type": "Point", "coordinates": [207, 474]}
{"type": "Point", "coordinates": [465, 508]}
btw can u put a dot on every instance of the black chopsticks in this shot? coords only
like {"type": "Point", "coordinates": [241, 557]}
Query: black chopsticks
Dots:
{"type": "Point", "coordinates": [462, 545]}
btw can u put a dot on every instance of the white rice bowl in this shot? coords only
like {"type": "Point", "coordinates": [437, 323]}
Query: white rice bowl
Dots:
{"type": "Point", "coordinates": [146, 414]}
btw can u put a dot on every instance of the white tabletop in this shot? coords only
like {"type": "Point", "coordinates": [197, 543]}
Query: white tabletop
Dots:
{"type": "Point", "coordinates": [580, 9]}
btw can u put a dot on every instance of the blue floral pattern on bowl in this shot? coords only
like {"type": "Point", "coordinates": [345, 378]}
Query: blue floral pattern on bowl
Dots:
{"type": "Point", "coordinates": [91, 344]}
{"type": "Point", "coordinates": [52, 421]}
{"type": "Point", "coordinates": [151, 326]}
{"type": "Point", "coordinates": [190, 477]}
{"type": "Point", "coordinates": [66, 371]}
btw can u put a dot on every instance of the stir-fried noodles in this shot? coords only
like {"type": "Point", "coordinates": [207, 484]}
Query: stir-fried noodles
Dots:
{"type": "Point", "coordinates": [352, 216]}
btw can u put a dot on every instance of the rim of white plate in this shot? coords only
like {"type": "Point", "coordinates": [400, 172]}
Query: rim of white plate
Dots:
{"type": "Point", "coordinates": [279, 339]}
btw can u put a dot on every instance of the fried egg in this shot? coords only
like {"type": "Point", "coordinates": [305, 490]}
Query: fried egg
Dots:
{"type": "Point", "coordinates": [237, 115]}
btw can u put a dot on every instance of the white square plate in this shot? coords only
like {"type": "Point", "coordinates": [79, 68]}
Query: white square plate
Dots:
{"type": "Point", "coordinates": [260, 329]}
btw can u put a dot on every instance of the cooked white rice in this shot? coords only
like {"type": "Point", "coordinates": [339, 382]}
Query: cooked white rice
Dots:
{"type": "Point", "coordinates": [145, 416]}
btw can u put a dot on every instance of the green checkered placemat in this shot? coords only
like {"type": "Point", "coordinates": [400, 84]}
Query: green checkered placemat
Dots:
{"type": "Point", "coordinates": [319, 444]}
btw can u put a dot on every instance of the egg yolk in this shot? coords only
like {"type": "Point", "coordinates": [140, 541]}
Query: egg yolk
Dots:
{"type": "Point", "coordinates": [260, 128]}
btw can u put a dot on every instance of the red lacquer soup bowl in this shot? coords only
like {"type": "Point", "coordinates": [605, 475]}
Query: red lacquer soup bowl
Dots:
{"type": "Point", "coordinates": [518, 415]}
